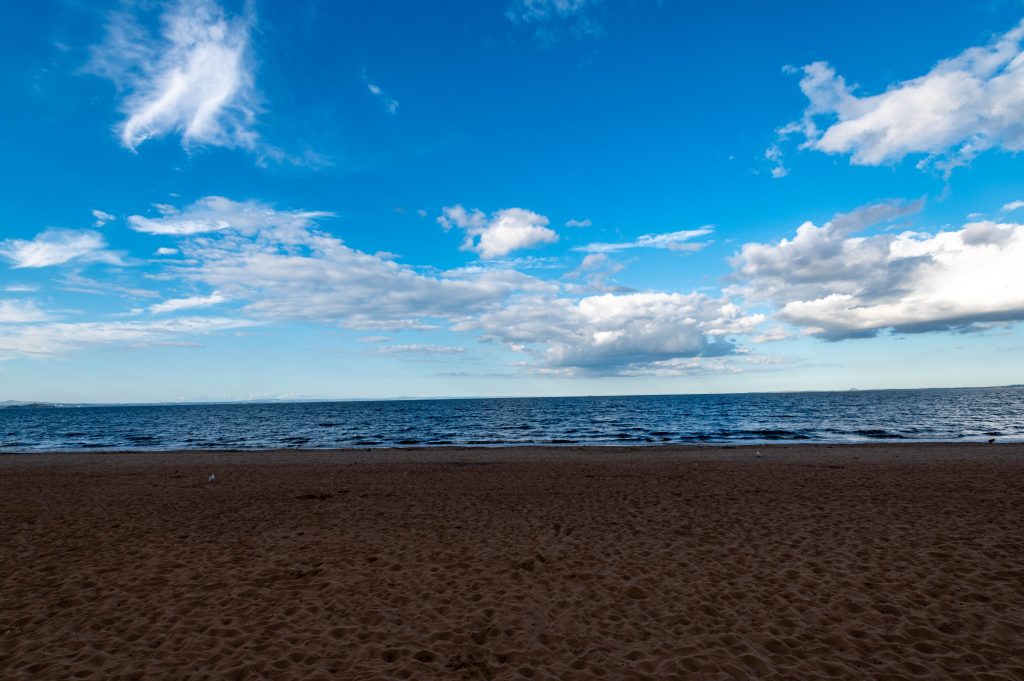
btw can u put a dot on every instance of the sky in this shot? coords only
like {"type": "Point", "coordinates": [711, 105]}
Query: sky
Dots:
{"type": "Point", "coordinates": [221, 200]}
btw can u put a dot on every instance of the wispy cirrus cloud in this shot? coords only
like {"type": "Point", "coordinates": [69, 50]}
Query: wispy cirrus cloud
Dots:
{"type": "Point", "coordinates": [190, 303]}
{"type": "Point", "coordinates": [56, 247]}
{"type": "Point", "coordinates": [962, 107]}
{"type": "Point", "coordinates": [281, 266]}
{"type": "Point", "coordinates": [191, 75]}
{"type": "Point", "coordinates": [414, 349]}
{"type": "Point", "coordinates": [682, 240]}
{"type": "Point", "coordinates": [102, 217]}
{"type": "Point", "coordinates": [497, 235]}
{"type": "Point", "coordinates": [278, 266]}
{"type": "Point", "coordinates": [21, 312]}
{"type": "Point", "coordinates": [217, 214]}
{"type": "Point", "coordinates": [57, 338]}
{"type": "Point", "coordinates": [546, 10]}
{"type": "Point", "coordinates": [550, 18]}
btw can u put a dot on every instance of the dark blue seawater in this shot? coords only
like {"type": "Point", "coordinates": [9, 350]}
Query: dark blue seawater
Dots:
{"type": "Point", "coordinates": [902, 415]}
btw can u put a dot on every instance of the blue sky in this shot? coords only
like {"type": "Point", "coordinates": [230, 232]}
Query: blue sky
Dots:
{"type": "Point", "coordinates": [207, 200]}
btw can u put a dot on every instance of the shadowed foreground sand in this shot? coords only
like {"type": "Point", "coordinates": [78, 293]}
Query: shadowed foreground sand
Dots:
{"type": "Point", "coordinates": [877, 562]}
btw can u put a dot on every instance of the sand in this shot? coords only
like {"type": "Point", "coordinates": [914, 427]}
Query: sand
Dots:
{"type": "Point", "coordinates": [812, 562]}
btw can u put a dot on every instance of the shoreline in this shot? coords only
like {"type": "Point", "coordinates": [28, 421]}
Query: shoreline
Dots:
{"type": "Point", "coordinates": [511, 453]}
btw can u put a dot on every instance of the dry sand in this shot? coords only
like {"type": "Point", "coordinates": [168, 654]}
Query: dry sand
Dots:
{"type": "Point", "coordinates": [873, 562]}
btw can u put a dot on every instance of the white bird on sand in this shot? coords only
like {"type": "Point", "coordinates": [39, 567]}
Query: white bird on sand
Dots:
{"type": "Point", "coordinates": [212, 478]}
{"type": "Point", "coordinates": [758, 455]}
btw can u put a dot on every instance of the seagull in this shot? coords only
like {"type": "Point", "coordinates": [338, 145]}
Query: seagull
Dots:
{"type": "Point", "coordinates": [758, 454]}
{"type": "Point", "coordinates": [992, 440]}
{"type": "Point", "coordinates": [212, 478]}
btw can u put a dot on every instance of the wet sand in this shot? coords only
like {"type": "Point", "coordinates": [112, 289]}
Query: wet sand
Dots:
{"type": "Point", "coordinates": [812, 562]}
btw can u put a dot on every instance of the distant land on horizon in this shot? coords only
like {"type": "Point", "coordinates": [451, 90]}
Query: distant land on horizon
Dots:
{"type": "Point", "coordinates": [22, 404]}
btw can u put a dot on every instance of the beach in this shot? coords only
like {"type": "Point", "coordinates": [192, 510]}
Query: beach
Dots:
{"type": "Point", "coordinates": [878, 561]}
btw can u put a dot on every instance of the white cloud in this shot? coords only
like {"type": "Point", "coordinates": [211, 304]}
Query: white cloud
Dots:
{"type": "Point", "coordinates": [58, 246]}
{"type": "Point", "coordinates": [545, 10]}
{"type": "Point", "coordinates": [102, 218]}
{"type": "Point", "coordinates": [595, 269]}
{"type": "Point", "coordinates": [578, 223]}
{"type": "Point", "coordinates": [216, 214]}
{"type": "Point", "coordinates": [176, 304]}
{"type": "Point", "coordinates": [1012, 206]}
{"type": "Point", "coordinates": [390, 103]}
{"type": "Point", "coordinates": [506, 230]}
{"type": "Point", "coordinates": [552, 18]}
{"type": "Point", "coordinates": [75, 281]}
{"type": "Point", "coordinates": [50, 339]}
{"type": "Point", "coordinates": [374, 339]}
{"type": "Point", "coordinates": [21, 288]}
{"type": "Point", "coordinates": [962, 107]}
{"type": "Point", "coordinates": [279, 266]}
{"type": "Point", "coordinates": [285, 268]}
{"type": "Point", "coordinates": [420, 349]}
{"type": "Point", "coordinates": [775, 155]}
{"type": "Point", "coordinates": [324, 280]}
{"type": "Point", "coordinates": [673, 241]}
{"type": "Point", "coordinates": [194, 78]}
{"type": "Point", "coordinates": [164, 250]}
{"type": "Point", "coordinates": [836, 284]}
{"type": "Point", "coordinates": [822, 259]}
{"type": "Point", "coordinates": [617, 333]}
{"type": "Point", "coordinates": [21, 312]}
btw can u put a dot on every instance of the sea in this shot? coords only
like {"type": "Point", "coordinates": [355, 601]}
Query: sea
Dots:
{"type": "Point", "coordinates": [962, 414]}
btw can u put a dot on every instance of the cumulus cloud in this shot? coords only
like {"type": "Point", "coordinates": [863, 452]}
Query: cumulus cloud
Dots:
{"type": "Point", "coordinates": [192, 77]}
{"type": "Point", "coordinates": [683, 240]}
{"type": "Point", "coordinates": [774, 154]}
{"type": "Point", "coordinates": [617, 333]}
{"type": "Point", "coordinates": [58, 246]}
{"type": "Point", "coordinates": [836, 284]}
{"type": "Point", "coordinates": [964, 106]}
{"type": "Point", "coordinates": [595, 270]}
{"type": "Point", "coordinates": [176, 304]}
{"type": "Point", "coordinates": [21, 312]}
{"type": "Point", "coordinates": [279, 265]}
{"type": "Point", "coordinates": [506, 230]}
{"type": "Point", "coordinates": [50, 339]}
{"type": "Point", "coordinates": [820, 259]}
